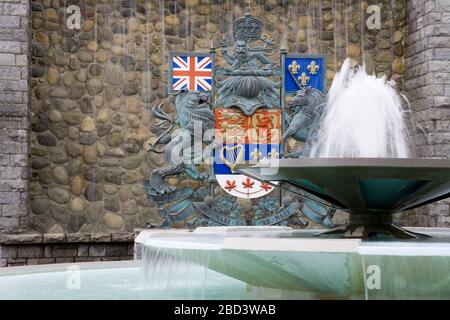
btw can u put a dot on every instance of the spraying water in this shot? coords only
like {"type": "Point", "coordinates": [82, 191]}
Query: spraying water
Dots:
{"type": "Point", "coordinates": [364, 118]}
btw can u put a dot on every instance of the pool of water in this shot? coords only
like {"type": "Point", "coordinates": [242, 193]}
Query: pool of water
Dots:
{"type": "Point", "coordinates": [112, 280]}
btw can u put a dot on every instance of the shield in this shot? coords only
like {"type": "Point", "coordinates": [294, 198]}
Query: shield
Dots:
{"type": "Point", "coordinates": [245, 139]}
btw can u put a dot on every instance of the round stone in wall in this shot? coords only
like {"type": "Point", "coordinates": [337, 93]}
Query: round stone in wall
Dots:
{"type": "Point", "coordinates": [58, 155]}
{"type": "Point", "coordinates": [77, 204]}
{"type": "Point", "coordinates": [90, 154]}
{"type": "Point", "coordinates": [112, 204]}
{"type": "Point", "coordinates": [59, 195]}
{"type": "Point", "coordinates": [47, 139]}
{"type": "Point", "coordinates": [40, 205]}
{"type": "Point", "coordinates": [54, 116]}
{"type": "Point", "coordinates": [55, 229]}
{"type": "Point", "coordinates": [113, 221]}
{"type": "Point", "coordinates": [61, 175]}
{"type": "Point", "coordinates": [73, 149]}
{"type": "Point", "coordinates": [52, 75]}
{"type": "Point", "coordinates": [113, 74]}
{"type": "Point", "coordinates": [130, 207]}
{"type": "Point", "coordinates": [93, 192]}
{"type": "Point", "coordinates": [77, 185]}
{"type": "Point", "coordinates": [94, 86]}
{"type": "Point", "coordinates": [124, 194]}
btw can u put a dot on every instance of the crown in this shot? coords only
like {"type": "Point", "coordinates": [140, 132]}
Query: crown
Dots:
{"type": "Point", "coordinates": [247, 27]}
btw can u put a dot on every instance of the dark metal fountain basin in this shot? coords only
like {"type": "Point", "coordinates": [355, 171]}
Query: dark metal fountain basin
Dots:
{"type": "Point", "coordinates": [370, 190]}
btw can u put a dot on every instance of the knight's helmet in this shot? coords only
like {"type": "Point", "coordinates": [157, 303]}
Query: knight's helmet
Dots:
{"type": "Point", "coordinates": [247, 28]}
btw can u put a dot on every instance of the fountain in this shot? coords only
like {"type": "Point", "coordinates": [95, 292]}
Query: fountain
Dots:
{"type": "Point", "coordinates": [367, 175]}
{"type": "Point", "coordinates": [363, 123]}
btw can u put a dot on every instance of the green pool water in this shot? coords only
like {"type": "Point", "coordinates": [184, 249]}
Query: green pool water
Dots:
{"type": "Point", "coordinates": [112, 280]}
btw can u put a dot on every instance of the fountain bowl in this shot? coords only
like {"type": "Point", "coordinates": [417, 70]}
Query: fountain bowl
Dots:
{"type": "Point", "coordinates": [283, 263]}
{"type": "Point", "coordinates": [371, 190]}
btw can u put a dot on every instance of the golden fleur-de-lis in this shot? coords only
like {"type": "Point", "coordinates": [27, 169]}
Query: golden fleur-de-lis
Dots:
{"type": "Point", "coordinates": [273, 154]}
{"type": "Point", "coordinates": [313, 67]}
{"type": "Point", "coordinates": [294, 67]}
{"type": "Point", "coordinates": [304, 79]}
{"type": "Point", "coordinates": [256, 155]}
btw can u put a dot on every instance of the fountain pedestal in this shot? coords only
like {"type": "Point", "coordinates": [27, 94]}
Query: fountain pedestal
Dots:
{"type": "Point", "coordinates": [371, 190]}
{"type": "Point", "coordinates": [369, 226]}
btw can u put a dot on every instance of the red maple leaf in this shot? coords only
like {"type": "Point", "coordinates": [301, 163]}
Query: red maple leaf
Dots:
{"type": "Point", "coordinates": [231, 184]}
{"type": "Point", "coordinates": [248, 183]}
{"type": "Point", "coordinates": [265, 186]}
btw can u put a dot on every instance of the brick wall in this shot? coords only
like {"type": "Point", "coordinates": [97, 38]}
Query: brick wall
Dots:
{"type": "Point", "coordinates": [427, 85]}
{"type": "Point", "coordinates": [33, 249]}
{"type": "Point", "coordinates": [14, 113]}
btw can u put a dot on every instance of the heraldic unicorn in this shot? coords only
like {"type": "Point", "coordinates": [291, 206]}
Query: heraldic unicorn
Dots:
{"type": "Point", "coordinates": [233, 108]}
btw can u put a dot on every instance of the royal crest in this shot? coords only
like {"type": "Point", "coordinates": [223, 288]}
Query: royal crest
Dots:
{"type": "Point", "coordinates": [247, 28]}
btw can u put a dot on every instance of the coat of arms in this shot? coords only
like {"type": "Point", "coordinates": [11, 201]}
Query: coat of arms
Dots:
{"type": "Point", "coordinates": [242, 96]}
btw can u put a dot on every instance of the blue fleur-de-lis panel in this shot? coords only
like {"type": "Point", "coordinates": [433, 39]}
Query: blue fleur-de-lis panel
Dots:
{"type": "Point", "coordinates": [250, 153]}
{"type": "Point", "coordinates": [305, 70]}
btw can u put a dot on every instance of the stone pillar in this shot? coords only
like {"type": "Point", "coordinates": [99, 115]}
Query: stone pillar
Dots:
{"type": "Point", "coordinates": [14, 114]}
{"type": "Point", "coordinates": [427, 85]}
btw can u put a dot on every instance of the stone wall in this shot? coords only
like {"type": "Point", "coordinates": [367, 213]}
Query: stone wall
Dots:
{"type": "Point", "coordinates": [427, 85]}
{"type": "Point", "coordinates": [93, 88]}
{"type": "Point", "coordinates": [14, 114]}
{"type": "Point", "coordinates": [33, 249]}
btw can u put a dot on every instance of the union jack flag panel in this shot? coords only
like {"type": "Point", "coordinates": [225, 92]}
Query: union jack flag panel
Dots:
{"type": "Point", "coordinates": [193, 72]}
